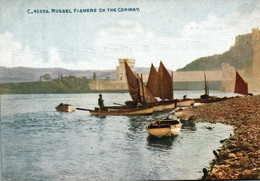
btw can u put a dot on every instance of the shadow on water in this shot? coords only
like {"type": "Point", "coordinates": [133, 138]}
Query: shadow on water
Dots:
{"type": "Point", "coordinates": [138, 123]}
{"type": "Point", "coordinates": [163, 143]}
{"type": "Point", "coordinates": [100, 116]}
{"type": "Point", "coordinates": [188, 124]}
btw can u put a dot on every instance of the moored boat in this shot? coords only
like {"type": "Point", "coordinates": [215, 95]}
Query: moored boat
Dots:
{"type": "Point", "coordinates": [65, 107]}
{"type": "Point", "coordinates": [165, 127]}
{"type": "Point", "coordinates": [185, 103]}
{"type": "Point", "coordinates": [184, 114]}
{"type": "Point", "coordinates": [123, 112]}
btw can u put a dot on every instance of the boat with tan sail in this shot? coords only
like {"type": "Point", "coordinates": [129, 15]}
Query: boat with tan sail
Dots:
{"type": "Point", "coordinates": [141, 96]}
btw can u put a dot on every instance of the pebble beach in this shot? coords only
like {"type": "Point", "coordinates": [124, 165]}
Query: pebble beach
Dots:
{"type": "Point", "coordinates": [238, 157]}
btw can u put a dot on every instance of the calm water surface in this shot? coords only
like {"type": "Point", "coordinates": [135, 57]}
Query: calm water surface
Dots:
{"type": "Point", "coordinates": [40, 143]}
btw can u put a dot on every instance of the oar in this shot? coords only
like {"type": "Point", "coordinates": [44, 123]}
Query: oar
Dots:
{"type": "Point", "coordinates": [118, 104]}
{"type": "Point", "coordinates": [83, 109]}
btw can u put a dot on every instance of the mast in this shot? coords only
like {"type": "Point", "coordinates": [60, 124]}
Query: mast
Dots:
{"type": "Point", "coordinates": [172, 85]}
{"type": "Point", "coordinates": [142, 86]}
{"type": "Point", "coordinates": [206, 86]}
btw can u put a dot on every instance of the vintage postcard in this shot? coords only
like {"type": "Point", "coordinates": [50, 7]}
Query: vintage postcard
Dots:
{"type": "Point", "coordinates": [129, 90]}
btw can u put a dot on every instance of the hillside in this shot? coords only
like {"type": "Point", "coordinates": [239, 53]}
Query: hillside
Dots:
{"type": "Point", "coordinates": [68, 84]}
{"type": "Point", "coordinates": [26, 74]}
{"type": "Point", "coordinates": [240, 56]}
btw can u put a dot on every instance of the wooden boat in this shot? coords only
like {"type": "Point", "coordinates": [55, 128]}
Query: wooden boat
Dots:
{"type": "Point", "coordinates": [165, 127]}
{"type": "Point", "coordinates": [65, 107]}
{"type": "Point", "coordinates": [137, 90]}
{"type": "Point", "coordinates": [160, 85]}
{"type": "Point", "coordinates": [123, 112]}
{"type": "Point", "coordinates": [185, 103]}
{"type": "Point", "coordinates": [206, 98]}
{"type": "Point", "coordinates": [184, 114]}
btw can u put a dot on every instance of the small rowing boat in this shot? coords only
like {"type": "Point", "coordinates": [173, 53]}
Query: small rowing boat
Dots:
{"type": "Point", "coordinates": [65, 107]}
{"type": "Point", "coordinates": [165, 127]}
{"type": "Point", "coordinates": [123, 112]}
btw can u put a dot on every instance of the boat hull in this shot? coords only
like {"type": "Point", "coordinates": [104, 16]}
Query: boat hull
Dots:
{"type": "Point", "coordinates": [164, 128]}
{"type": "Point", "coordinates": [185, 103]}
{"type": "Point", "coordinates": [160, 132]}
{"type": "Point", "coordinates": [161, 106]}
{"type": "Point", "coordinates": [66, 108]}
{"type": "Point", "coordinates": [175, 129]}
{"type": "Point", "coordinates": [158, 108]}
{"type": "Point", "coordinates": [169, 106]}
{"type": "Point", "coordinates": [127, 112]}
{"type": "Point", "coordinates": [184, 114]}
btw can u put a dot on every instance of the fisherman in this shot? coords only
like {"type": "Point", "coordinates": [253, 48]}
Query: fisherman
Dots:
{"type": "Point", "coordinates": [101, 103]}
{"type": "Point", "coordinates": [138, 103]}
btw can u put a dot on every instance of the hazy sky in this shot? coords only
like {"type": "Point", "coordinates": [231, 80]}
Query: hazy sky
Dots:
{"type": "Point", "coordinates": [174, 31]}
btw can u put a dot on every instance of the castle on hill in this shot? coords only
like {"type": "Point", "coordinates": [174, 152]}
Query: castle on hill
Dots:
{"type": "Point", "coordinates": [224, 78]}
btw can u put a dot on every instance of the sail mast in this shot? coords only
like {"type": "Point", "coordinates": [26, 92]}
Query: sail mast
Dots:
{"type": "Point", "coordinates": [142, 86]}
{"type": "Point", "coordinates": [172, 85]}
{"type": "Point", "coordinates": [206, 86]}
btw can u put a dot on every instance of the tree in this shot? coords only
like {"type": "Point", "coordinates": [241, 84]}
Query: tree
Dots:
{"type": "Point", "coordinates": [94, 75]}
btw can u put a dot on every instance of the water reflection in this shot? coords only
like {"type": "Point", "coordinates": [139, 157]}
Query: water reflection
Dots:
{"type": "Point", "coordinates": [188, 124]}
{"type": "Point", "coordinates": [137, 123]}
{"type": "Point", "coordinates": [163, 143]}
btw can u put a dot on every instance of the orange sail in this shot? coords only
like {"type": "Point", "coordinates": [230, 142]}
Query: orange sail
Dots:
{"type": "Point", "coordinates": [153, 83]}
{"type": "Point", "coordinates": [240, 85]}
{"type": "Point", "coordinates": [133, 85]}
{"type": "Point", "coordinates": [166, 83]}
{"type": "Point", "coordinates": [145, 93]}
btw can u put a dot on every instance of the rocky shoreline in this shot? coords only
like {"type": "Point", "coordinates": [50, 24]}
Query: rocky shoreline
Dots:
{"type": "Point", "coordinates": [239, 156]}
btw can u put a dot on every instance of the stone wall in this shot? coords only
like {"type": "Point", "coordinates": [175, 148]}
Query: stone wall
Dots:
{"type": "Point", "coordinates": [107, 85]}
{"type": "Point", "coordinates": [255, 79]}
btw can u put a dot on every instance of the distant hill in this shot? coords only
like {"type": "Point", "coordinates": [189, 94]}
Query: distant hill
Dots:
{"type": "Point", "coordinates": [68, 84]}
{"type": "Point", "coordinates": [25, 74]}
{"type": "Point", "coordinates": [240, 56]}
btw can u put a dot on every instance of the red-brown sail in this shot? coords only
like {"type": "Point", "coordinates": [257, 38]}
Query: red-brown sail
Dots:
{"type": "Point", "coordinates": [153, 83]}
{"type": "Point", "coordinates": [132, 82]}
{"type": "Point", "coordinates": [166, 83]}
{"type": "Point", "coordinates": [240, 85]}
{"type": "Point", "coordinates": [145, 93]}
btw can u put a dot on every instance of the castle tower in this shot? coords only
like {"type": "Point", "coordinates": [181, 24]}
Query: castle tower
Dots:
{"type": "Point", "coordinates": [256, 57]}
{"type": "Point", "coordinates": [120, 70]}
{"type": "Point", "coordinates": [228, 78]}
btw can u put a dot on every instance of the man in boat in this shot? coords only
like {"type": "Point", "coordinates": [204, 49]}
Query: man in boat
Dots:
{"type": "Point", "coordinates": [101, 103]}
{"type": "Point", "coordinates": [138, 103]}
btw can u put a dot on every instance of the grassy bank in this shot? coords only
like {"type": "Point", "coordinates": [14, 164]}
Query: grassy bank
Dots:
{"type": "Point", "coordinates": [239, 155]}
{"type": "Point", "coordinates": [68, 84]}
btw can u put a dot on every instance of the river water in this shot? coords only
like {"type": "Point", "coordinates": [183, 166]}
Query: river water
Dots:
{"type": "Point", "coordinates": [39, 143]}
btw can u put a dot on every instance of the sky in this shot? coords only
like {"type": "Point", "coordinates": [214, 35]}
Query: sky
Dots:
{"type": "Point", "coordinates": [175, 32]}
